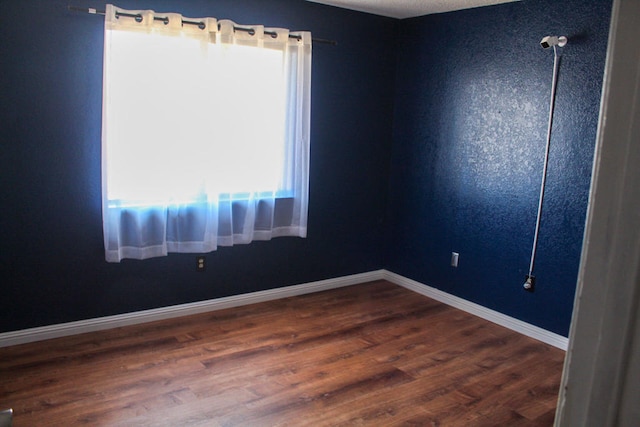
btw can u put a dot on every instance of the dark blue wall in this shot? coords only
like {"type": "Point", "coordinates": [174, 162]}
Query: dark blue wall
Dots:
{"type": "Point", "coordinates": [471, 93]}
{"type": "Point", "coordinates": [471, 110]}
{"type": "Point", "coordinates": [53, 267]}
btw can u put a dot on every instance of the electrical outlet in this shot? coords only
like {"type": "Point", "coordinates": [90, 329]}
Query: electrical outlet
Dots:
{"type": "Point", "coordinates": [200, 263]}
{"type": "Point", "coordinates": [454, 259]}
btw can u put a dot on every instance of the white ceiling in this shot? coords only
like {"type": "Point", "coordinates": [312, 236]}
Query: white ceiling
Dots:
{"type": "Point", "coordinates": [408, 8]}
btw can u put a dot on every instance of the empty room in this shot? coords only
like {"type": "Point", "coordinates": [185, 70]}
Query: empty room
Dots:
{"type": "Point", "coordinates": [292, 212]}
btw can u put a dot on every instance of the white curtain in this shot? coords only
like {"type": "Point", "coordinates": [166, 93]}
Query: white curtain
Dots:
{"type": "Point", "coordinates": [205, 133]}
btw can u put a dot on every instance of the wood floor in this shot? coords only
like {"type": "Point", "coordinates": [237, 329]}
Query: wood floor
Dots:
{"type": "Point", "coordinates": [371, 354]}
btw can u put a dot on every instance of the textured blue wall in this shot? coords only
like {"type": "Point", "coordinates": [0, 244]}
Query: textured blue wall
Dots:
{"type": "Point", "coordinates": [52, 260]}
{"type": "Point", "coordinates": [472, 99]}
{"type": "Point", "coordinates": [468, 130]}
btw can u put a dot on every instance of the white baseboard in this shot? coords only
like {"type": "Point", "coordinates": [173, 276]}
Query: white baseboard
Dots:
{"type": "Point", "coordinates": [90, 325]}
{"type": "Point", "coordinates": [101, 323]}
{"type": "Point", "coordinates": [493, 316]}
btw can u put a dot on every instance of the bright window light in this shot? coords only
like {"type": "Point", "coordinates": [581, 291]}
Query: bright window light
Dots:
{"type": "Point", "coordinates": [189, 120]}
{"type": "Point", "coordinates": [205, 133]}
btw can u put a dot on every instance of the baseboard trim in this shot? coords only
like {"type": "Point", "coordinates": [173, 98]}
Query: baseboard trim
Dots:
{"type": "Point", "coordinates": [91, 325]}
{"type": "Point", "coordinates": [493, 316]}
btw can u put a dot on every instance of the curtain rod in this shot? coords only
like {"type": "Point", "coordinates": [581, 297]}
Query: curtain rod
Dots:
{"type": "Point", "coordinates": [200, 25]}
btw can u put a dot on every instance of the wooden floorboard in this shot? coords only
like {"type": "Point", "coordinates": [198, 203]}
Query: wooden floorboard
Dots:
{"type": "Point", "coordinates": [370, 354]}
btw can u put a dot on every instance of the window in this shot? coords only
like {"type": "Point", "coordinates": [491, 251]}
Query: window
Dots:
{"type": "Point", "coordinates": [205, 133]}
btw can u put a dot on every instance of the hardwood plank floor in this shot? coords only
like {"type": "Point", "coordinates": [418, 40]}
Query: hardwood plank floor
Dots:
{"type": "Point", "coordinates": [370, 354]}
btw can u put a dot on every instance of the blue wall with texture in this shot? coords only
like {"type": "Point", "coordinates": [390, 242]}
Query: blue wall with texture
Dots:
{"type": "Point", "coordinates": [460, 110]}
{"type": "Point", "coordinates": [470, 122]}
{"type": "Point", "coordinates": [52, 258]}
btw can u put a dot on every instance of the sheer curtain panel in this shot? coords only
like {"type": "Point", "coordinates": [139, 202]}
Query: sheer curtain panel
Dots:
{"type": "Point", "coordinates": [205, 133]}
